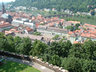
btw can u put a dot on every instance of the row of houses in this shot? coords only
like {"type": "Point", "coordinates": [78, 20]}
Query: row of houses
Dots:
{"type": "Point", "coordinates": [24, 22]}
{"type": "Point", "coordinates": [52, 31]}
{"type": "Point", "coordinates": [89, 32]}
{"type": "Point", "coordinates": [48, 26]}
{"type": "Point", "coordinates": [5, 26]}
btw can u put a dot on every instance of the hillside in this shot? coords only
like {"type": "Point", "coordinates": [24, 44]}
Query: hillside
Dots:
{"type": "Point", "coordinates": [74, 5]}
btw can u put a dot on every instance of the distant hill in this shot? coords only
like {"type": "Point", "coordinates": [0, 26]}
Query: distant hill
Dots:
{"type": "Point", "coordinates": [74, 5]}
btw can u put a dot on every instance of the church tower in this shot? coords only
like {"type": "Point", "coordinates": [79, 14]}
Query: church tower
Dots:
{"type": "Point", "coordinates": [3, 8]}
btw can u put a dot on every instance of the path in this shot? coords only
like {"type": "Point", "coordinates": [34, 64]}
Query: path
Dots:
{"type": "Point", "coordinates": [33, 64]}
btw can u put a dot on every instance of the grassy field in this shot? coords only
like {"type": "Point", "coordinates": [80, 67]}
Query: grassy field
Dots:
{"type": "Point", "coordinates": [10, 66]}
{"type": "Point", "coordinates": [83, 19]}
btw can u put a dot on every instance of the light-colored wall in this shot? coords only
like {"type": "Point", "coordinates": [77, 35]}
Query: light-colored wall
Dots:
{"type": "Point", "coordinates": [72, 39]}
{"type": "Point", "coordinates": [17, 23]}
{"type": "Point", "coordinates": [51, 32]}
{"type": "Point", "coordinates": [5, 28]}
{"type": "Point", "coordinates": [0, 29]}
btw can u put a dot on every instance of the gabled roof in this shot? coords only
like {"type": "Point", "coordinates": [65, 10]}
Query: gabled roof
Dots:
{"type": "Point", "coordinates": [89, 25]}
{"type": "Point", "coordinates": [75, 42]}
{"type": "Point", "coordinates": [29, 29]}
{"type": "Point", "coordinates": [4, 25]}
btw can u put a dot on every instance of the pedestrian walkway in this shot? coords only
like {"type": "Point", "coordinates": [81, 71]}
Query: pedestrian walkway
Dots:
{"type": "Point", "coordinates": [33, 64]}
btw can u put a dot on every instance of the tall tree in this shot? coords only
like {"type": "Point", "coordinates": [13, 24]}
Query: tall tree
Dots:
{"type": "Point", "coordinates": [38, 48]}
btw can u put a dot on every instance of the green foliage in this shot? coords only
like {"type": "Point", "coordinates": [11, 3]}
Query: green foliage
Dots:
{"type": "Point", "coordinates": [59, 48]}
{"type": "Point", "coordinates": [74, 57]}
{"type": "Point", "coordinates": [77, 26]}
{"type": "Point", "coordinates": [10, 66]}
{"type": "Point", "coordinates": [37, 33]}
{"type": "Point", "coordinates": [55, 60]}
{"type": "Point", "coordinates": [89, 48]}
{"type": "Point", "coordinates": [74, 5]}
{"type": "Point", "coordinates": [78, 65]}
{"type": "Point", "coordinates": [3, 42]}
{"type": "Point", "coordinates": [89, 66]}
{"type": "Point", "coordinates": [54, 48]}
{"type": "Point", "coordinates": [71, 28]}
{"type": "Point", "coordinates": [15, 44]}
{"type": "Point", "coordinates": [38, 48]}
{"type": "Point", "coordinates": [76, 51]}
{"type": "Point", "coordinates": [42, 24]}
{"type": "Point", "coordinates": [18, 43]}
{"type": "Point", "coordinates": [11, 44]}
{"type": "Point", "coordinates": [46, 57]}
{"type": "Point", "coordinates": [26, 46]}
{"type": "Point", "coordinates": [56, 37]}
{"type": "Point", "coordinates": [84, 51]}
{"type": "Point", "coordinates": [93, 13]}
{"type": "Point", "coordinates": [72, 64]}
{"type": "Point", "coordinates": [83, 19]}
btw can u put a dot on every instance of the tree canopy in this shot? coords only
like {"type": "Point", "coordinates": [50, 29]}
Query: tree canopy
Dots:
{"type": "Point", "coordinates": [74, 5]}
{"type": "Point", "coordinates": [73, 57]}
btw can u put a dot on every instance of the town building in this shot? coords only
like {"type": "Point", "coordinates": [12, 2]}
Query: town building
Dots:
{"type": "Point", "coordinates": [5, 26]}
{"type": "Point", "coordinates": [23, 21]}
{"type": "Point", "coordinates": [83, 34]}
{"type": "Point", "coordinates": [5, 17]}
{"type": "Point", "coordinates": [52, 31]}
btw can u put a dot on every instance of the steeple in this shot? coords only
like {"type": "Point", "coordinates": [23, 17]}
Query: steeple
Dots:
{"type": "Point", "coordinates": [3, 8]}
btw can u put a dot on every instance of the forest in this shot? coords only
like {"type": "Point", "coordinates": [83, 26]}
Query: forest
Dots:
{"type": "Point", "coordinates": [73, 57]}
{"type": "Point", "coordinates": [73, 5]}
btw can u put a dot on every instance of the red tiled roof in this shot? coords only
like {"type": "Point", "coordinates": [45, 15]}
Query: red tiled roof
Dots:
{"type": "Point", "coordinates": [89, 25]}
{"type": "Point", "coordinates": [28, 29]}
{"type": "Point", "coordinates": [93, 31]}
{"type": "Point", "coordinates": [89, 35]}
{"type": "Point", "coordinates": [70, 33]}
{"type": "Point", "coordinates": [75, 42]}
{"type": "Point", "coordinates": [74, 22]}
{"type": "Point", "coordinates": [4, 25]}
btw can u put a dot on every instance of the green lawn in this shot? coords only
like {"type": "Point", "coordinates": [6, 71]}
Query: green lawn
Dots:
{"type": "Point", "coordinates": [10, 66]}
{"type": "Point", "coordinates": [84, 19]}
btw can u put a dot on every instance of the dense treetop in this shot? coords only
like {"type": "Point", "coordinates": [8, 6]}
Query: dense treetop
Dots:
{"type": "Point", "coordinates": [74, 5]}
{"type": "Point", "coordinates": [73, 57]}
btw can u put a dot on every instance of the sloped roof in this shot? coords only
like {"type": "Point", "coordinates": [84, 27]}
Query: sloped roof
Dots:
{"type": "Point", "coordinates": [5, 16]}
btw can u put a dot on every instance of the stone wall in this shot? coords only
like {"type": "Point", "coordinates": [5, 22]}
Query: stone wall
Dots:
{"type": "Point", "coordinates": [34, 59]}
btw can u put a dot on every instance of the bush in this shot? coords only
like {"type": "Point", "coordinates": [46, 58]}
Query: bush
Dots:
{"type": "Point", "coordinates": [55, 60]}
{"type": "Point", "coordinates": [89, 66]}
{"type": "Point", "coordinates": [56, 37]}
{"type": "Point", "coordinates": [78, 65]}
{"type": "Point", "coordinates": [37, 33]}
{"type": "Point", "coordinates": [72, 64]}
{"type": "Point", "coordinates": [1, 63]}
